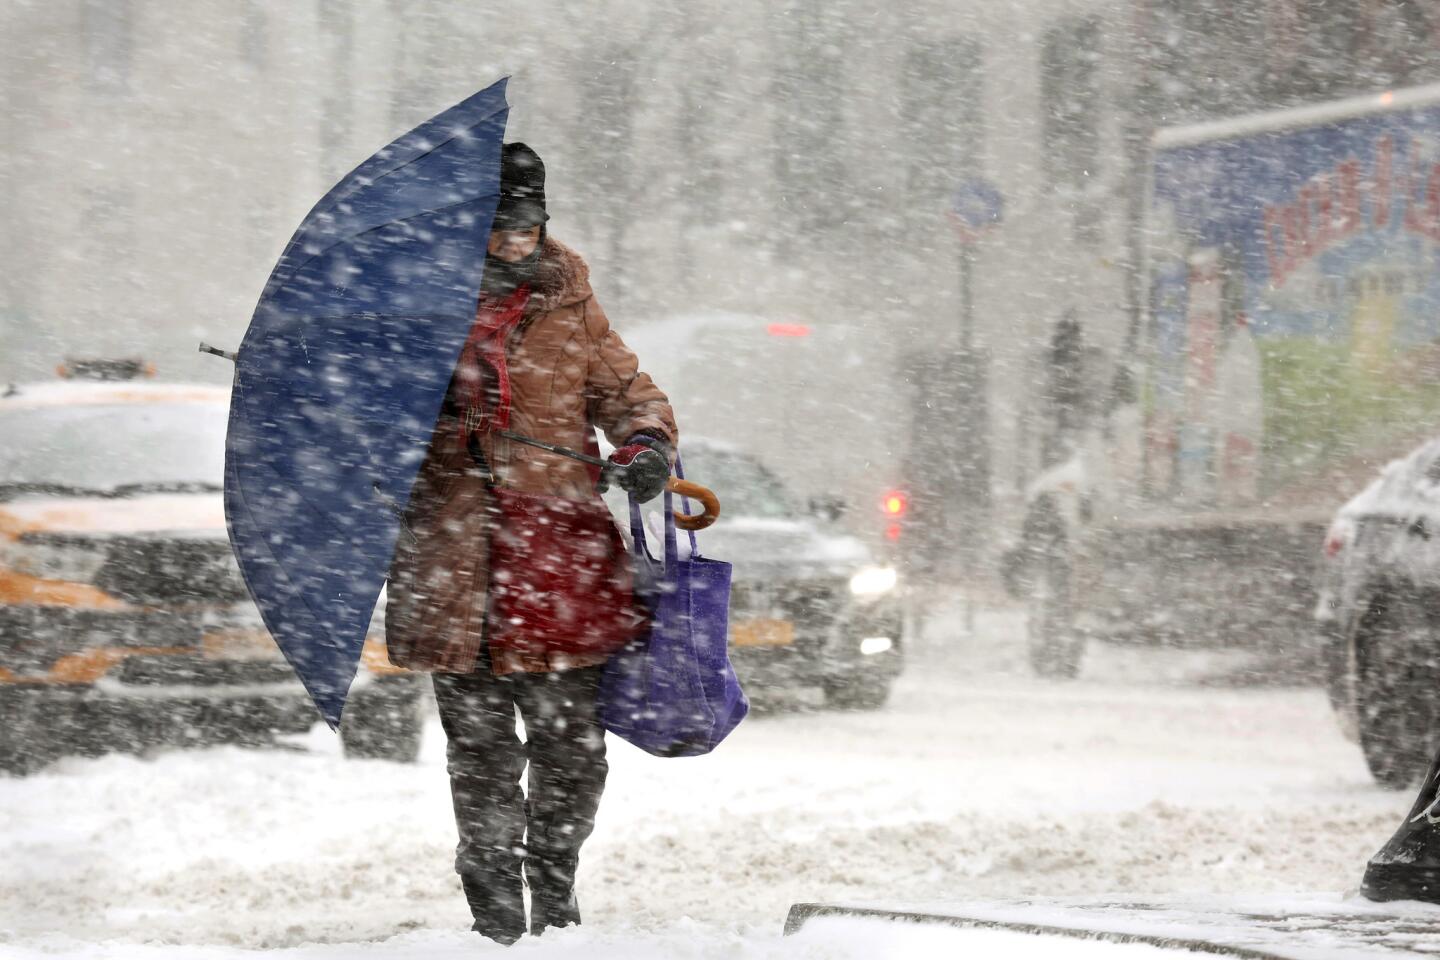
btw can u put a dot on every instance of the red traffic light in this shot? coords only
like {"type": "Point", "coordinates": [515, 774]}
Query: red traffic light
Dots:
{"type": "Point", "coordinates": [895, 503]}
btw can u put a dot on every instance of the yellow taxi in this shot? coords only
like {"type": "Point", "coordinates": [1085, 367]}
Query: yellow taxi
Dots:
{"type": "Point", "coordinates": [124, 622]}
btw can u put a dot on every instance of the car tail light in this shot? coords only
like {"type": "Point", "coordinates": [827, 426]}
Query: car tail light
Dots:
{"type": "Point", "coordinates": [788, 330]}
{"type": "Point", "coordinates": [893, 505]}
{"type": "Point", "coordinates": [1339, 537]}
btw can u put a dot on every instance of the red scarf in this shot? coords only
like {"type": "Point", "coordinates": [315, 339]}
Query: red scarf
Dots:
{"type": "Point", "coordinates": [485, 399]}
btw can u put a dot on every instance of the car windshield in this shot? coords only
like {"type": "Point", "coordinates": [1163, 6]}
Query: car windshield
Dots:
{"type": "Point", "coordinates": [745, 488]}
{"type": "Point", "coordinates": [123, 447]}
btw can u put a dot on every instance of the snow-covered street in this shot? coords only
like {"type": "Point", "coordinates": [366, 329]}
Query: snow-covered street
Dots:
{"type": "Point", "coordinates": [1054, 388]}
{"type": "Point", "coordinates": [977, 781]}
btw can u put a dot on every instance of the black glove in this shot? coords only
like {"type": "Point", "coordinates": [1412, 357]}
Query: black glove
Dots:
{"type": "Point", "coordinates": [641, 468]}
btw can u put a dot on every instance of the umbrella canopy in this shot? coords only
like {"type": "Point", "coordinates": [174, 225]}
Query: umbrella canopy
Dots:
{"type": "Point", "coordinates": [340, 378]}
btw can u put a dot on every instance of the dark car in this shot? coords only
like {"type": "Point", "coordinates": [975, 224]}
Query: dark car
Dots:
{"type": "Point", "coordinates": [1379, 616]}
{"type": "Point", "coordinates": [810, 606]}
{"type": "Point", "coordinates": [124, 622]}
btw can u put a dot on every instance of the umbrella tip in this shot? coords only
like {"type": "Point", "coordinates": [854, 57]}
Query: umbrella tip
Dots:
{"type": "Point", "coordinates": [227, 354]}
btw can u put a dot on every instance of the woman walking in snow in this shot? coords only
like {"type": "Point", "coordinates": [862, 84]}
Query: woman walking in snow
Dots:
{"type": "Point", "coordinates": [540, 361]}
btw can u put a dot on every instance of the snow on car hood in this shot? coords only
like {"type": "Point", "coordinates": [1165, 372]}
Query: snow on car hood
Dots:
{"type": "Point", "coordinates": [189, 513]}
{"type": "Point", "coordinates": [758, 547]}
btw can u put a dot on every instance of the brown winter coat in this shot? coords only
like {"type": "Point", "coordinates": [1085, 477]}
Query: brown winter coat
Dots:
{"type": "Point", "coordinates": [569, 372]}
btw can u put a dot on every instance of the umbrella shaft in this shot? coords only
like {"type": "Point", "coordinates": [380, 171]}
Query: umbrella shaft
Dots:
{"type": "Point", "coordinates": [562, 451]}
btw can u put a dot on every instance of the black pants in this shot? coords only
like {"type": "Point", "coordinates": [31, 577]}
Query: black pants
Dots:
{"type": "Point", "coordinates": [501, 831]}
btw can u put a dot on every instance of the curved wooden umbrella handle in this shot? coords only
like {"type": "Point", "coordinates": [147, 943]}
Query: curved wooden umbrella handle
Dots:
{"type": "Point", "coordinates": [709, 503]}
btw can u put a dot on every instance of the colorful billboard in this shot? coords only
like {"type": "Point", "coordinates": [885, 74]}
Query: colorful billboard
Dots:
{"type": "Point", "coordinates": [1295, 298]}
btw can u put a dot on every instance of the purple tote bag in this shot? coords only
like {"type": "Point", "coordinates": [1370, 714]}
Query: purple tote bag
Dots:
{"type": "Point", "coordinates": [672, 692]}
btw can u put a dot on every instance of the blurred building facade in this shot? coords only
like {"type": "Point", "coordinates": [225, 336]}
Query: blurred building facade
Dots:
{"type": "Point", "coordinates": [798, 159]}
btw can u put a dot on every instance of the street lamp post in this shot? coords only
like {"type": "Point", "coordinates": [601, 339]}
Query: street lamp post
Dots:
{"type": "Point", "coordinates": [975, 209]}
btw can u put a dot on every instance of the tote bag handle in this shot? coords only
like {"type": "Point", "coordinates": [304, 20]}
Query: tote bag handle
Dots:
{"type": "Point", "coordinates": [672, 547]}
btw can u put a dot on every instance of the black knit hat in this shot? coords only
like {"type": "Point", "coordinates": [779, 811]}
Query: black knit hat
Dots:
{"type": "Point", "coordinates": [522, 189]}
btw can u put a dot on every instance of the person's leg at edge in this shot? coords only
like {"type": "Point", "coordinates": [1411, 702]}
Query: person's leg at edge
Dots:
{"type": "Point", "coordinates": [1408, 866]}
{"type": "Point", "coordinates": [566, 747]}
{"type": "Point", "coordinates": [485, 760]}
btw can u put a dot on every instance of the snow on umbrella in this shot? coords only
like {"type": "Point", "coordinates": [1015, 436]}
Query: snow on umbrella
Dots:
{"type": "Point", "coordinates": [340, 378]}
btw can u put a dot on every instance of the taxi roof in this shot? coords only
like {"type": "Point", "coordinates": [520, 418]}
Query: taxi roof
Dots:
{"type": "Point", "coordinates": [28, 396]}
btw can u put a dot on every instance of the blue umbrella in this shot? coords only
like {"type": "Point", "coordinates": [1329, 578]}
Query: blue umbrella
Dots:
{"type": "Point", "coordinates": [340, 378]}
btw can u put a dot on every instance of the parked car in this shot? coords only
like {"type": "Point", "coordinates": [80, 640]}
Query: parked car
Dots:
{"type": "Point", "coordinates": [810, 605]}
{"type": "Point", "coordinates": [1379, 616]}
{"type": "Point", "coordinates": [123, 618]}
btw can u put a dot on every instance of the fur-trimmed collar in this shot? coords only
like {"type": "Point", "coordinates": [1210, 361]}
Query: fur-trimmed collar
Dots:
{"type": "Point", "coordinates": [561, 278]}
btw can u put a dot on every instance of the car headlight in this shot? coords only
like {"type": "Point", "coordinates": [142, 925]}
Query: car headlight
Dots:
{"type": "Point", "coordinates": [49, 560]}
{"type": "Point", "coordinates": [873, 582]}
{"type": "Point", "coordinates": [869, 646]}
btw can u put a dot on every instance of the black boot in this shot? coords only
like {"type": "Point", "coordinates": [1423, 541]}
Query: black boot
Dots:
{"type": "Point", "coordinates": [497, 902]}
{"type": "Point", "coordinates": [552, 893]}
{"type": "Point", "coordinates": [1408, 867]}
